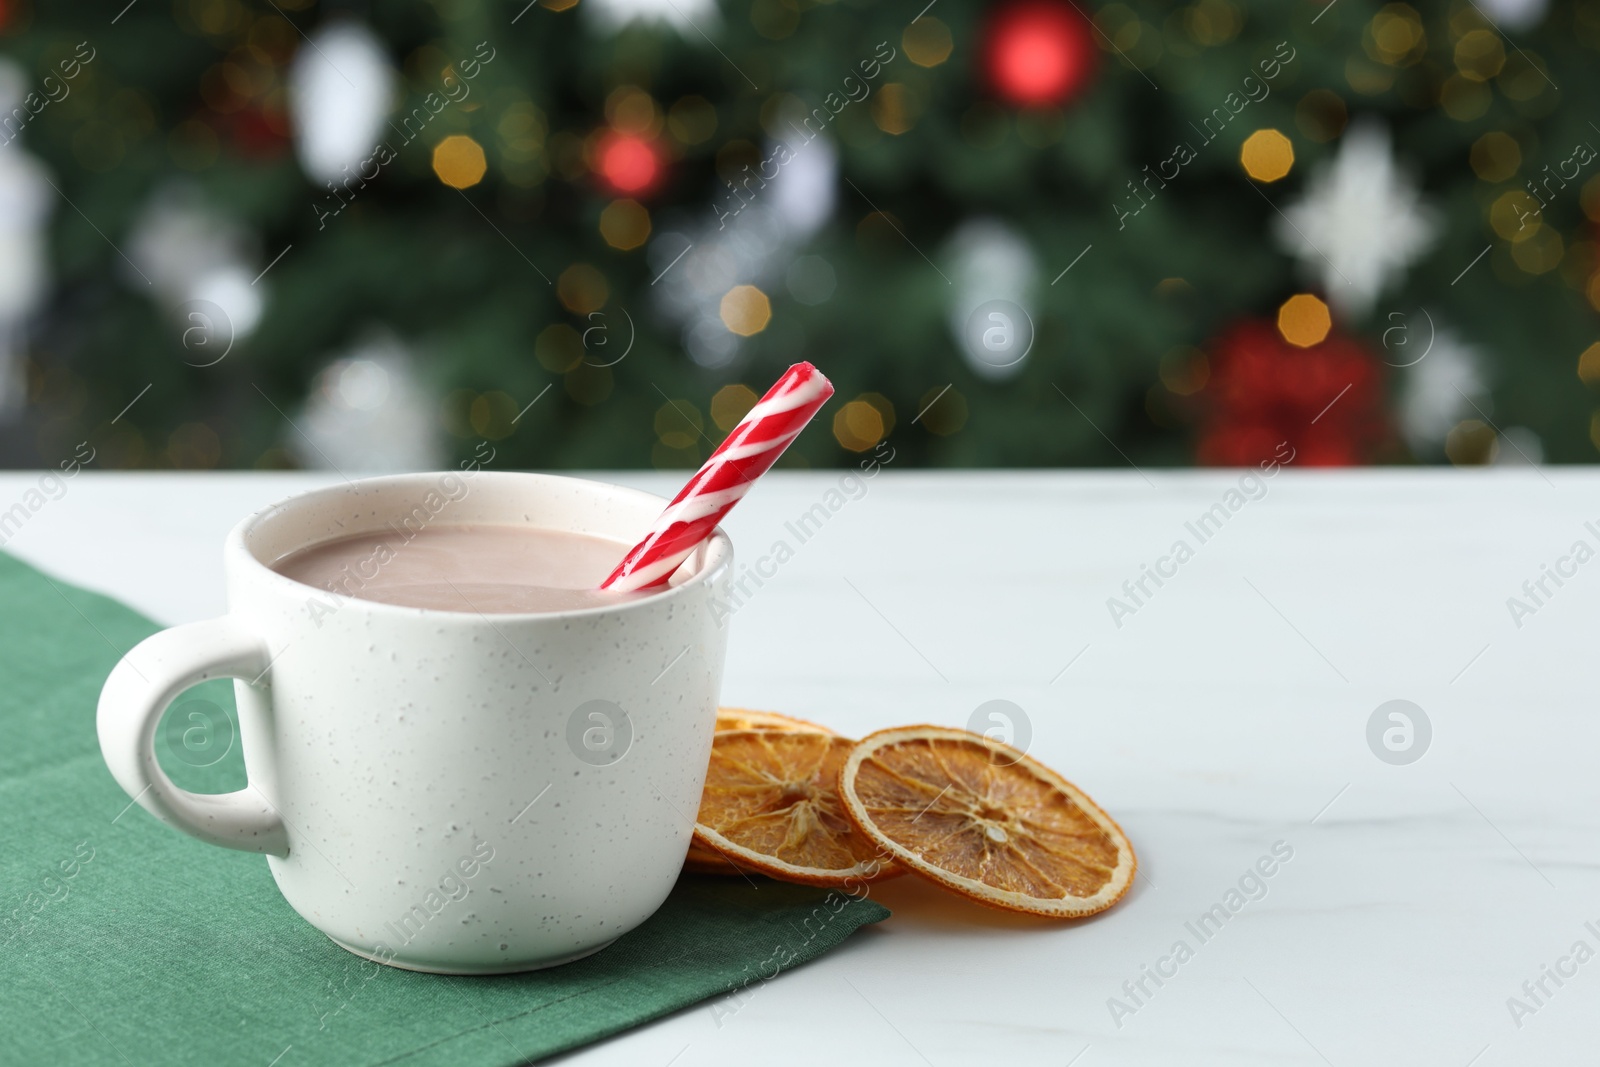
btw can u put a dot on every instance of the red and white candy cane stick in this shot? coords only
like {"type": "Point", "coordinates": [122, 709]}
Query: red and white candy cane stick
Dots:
{"type": "Point", "coordinates": [753, 446]}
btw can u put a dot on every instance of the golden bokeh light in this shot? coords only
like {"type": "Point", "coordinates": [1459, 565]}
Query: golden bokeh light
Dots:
{"type": "Point", "coordinates": [892, 109]}
{"type": "Point", "coordinates": [692, 120]}
{"type": "Point", "coordinates": [1185, 370]}
{"type": "Point", "coordinates": [858, 426]}
{"type": "Point", "coordinates": [730, 404]}
{"type": "Point", "coordinates": [1589, 365]}
{"type": "Point", "coordinates": [746, 310]}
{"type": "Point", "coordinates": [523, 129]}
{"type": "Point", "coordinates": [582, 289]}
{"type": "Point", "coordinates": [1395, 36]}
{"type": "Point", "coordinates": [1212, 22]}
{"type": "Point", "coordinates": [629, 109]}
{"type": "Point", "coordinates": [1471, 443]}
{"type": "Point", "coordinates": [1303, 320]}
{"type": "Point", "coordinates": [1524, 77]}
{"type": "Point", "coordinates": [1541, 253]}
{"type": "Point", "coordinates": [558, 348]}
{"type": "Point", "coordinates": [1514, 215]}
{"type": "Point", "coordinates": [1589, 198]}
{"type": "Point", "coordinates": [1496, 156]}
{"type": "Point", "coordinates": [625, 224]}
{"type": "Point", "coordinates": [1480, 55]}
{"type": "Point", "coordinates": [884, 407]}
{"type": "Point", "coordinates": [1267, 155]}
{"type": "Point", "coordinates": [491, 415]}
{"type": "Point", "coordinates": [927, 42]}
{"type": "Point", "coordinates": [1464, 99]}
{"type": "Point", "coordinates": [679, 424]}
{"type": "Point", "coordinates": [459, 162]}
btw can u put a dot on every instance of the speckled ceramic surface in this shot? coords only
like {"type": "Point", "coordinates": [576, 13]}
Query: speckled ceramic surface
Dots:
{"type": "Point", "coordinates": [443, 790]}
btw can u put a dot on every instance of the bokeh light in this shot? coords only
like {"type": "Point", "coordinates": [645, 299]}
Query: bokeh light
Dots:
{"type": "Point", "coordinates": [692, 120]}
{"type": "Point", "coordinates": [625, 224]}
{"type": "Point", "coordinates": [732, 403]}
{"type": "Point", "coordinates": [1495, 156]}
{"type": "Point", "coordinates": [858, 426]}
{"type": "Point", "coordinates": [1303, 320]}
{"type": "Point", "coordinates": [1038, 53]}
{"type": "Point", "coordinates": [1267, 155]}
{"type": "Point", "coordinates": [582, 289]}
{"type": "Point", "coordinates": [927, 42]}
{"type": "Point", "coordinates": [746, 310]}
{"type": "Point", "coordinates": [628, 163]}
{"type": "Point", "coordinates": [1480, 55]}
{"type": "Point", "coordinates": [1471, 443]}
{"type": "Point", "coordinates": [1589, 365]}
{"type": "Point", "coordinates": [679, 424]}
{"type": "Point", "coordinates": [459, 162]}
{"type": "Point", "coordinates": [893, 108]}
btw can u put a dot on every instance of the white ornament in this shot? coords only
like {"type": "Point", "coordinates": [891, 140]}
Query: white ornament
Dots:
{"type": "Point", "coordinates": [201, 267]}
{"type": "Point", "coordinates": [806, 187]}
{"type": "Point", "coordinates": [749, 235]}
{"type": "Point", "coordinates": [25, 205]}
{"type": "Point", "coordinates": [368, 413]}
{"type": "Point", "coordinates": [26, 200]}
{"type": "Point", "coordinates": [341, 90]}
{"type": "Point", "coordinates": [690, 15]}
{"type": "Point", "coordinates": [1514, 14]}
{"type": "Point", "coordinates": [1439, 389]}
{"type": "Point", "coordinates": [992, 272]}
{"type": "Point", "coordinates": [1361, 222]}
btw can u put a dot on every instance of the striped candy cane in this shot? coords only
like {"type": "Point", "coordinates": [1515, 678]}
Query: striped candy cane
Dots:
{"type": "Point", "coordinates": [753, 446]}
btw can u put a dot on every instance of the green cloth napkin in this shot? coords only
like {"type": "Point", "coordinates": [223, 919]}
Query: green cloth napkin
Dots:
{"type": "Point", "coordinates": [124, 942]}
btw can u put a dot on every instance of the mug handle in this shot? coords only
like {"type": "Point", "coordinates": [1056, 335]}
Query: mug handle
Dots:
{"type": "Point", "coordinates": [140, 687]}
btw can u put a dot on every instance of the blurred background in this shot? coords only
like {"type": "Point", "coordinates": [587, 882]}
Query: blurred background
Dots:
{"type": "Point", "coordinates": [589, 233]}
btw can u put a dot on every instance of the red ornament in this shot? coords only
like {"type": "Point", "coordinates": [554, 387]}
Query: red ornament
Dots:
{"type": "Point", "coordinates": [1325, 402]}
{"type": "Point", "coordinates": [629, 165]}
{"type": "Point", "coordinates": [1038, 53]}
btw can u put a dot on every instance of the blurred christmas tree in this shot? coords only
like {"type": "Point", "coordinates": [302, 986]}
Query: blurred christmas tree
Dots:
{"type": "Point", "coordinates": [590, 232]}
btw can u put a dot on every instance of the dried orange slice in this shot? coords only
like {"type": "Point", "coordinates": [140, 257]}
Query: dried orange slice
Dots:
{"type": "Point", "coordinates": [986, 821]}
{"type": "Point", "coordinates": [746, 719]}
{"type": "Point", "coordinates": [771, 805]}
{"type": "Point", "coordinates": [703, 860]}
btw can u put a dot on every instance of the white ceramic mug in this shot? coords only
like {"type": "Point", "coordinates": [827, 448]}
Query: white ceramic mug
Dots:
{"type": "Point", "coordinates": [445, 791]}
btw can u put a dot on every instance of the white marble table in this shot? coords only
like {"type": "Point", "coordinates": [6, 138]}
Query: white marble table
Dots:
{"type": "Point", "coordinates": [1228, 713]}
